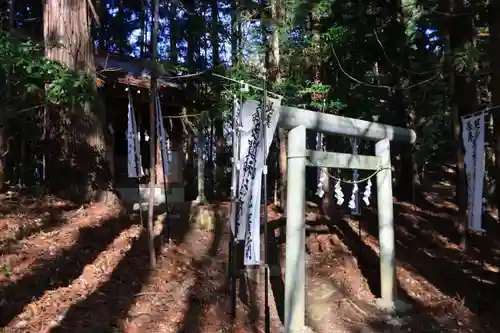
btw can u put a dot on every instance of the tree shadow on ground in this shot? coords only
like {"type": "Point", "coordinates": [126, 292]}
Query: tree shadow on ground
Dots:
{"type": "Point", "coordinates": [492, 227]}
{"type": "Point", "coordinates": [182, 213]}
{"type": "Point", "coordinates": [425, 322]}
{"type": "Point", "coordinates": [275, 253]}
{"type": "Point", "coordinates": [107, 308]}
{"type": "Point", "coordinates": [199, 297]}
{"type": "Point", "coordinates": [175, 220]}
{"type": "Point", "coordinates": [419, 318]}
{"type": "Point", "coordinates": [276, 240]}
{"type": "Point", "coordinates": [50, 274]}
{"type": "Point", "coordinates": [447, 268]}
{"type": "Point", "coordinates": [252, 281]}
{"type": "Point", "coordinates": [109, 304]}
{"type": "Point", "coordinates": [208, 300]}
{"type": "Point", "coordinates": [248, 296]}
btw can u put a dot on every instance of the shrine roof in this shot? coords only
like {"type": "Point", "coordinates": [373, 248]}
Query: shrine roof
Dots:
{"type": "Point", "coordinates": [134, 71]}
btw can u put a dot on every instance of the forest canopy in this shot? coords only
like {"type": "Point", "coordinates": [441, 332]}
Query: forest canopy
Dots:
{"type": "Point", "coordinates": [416, 64]}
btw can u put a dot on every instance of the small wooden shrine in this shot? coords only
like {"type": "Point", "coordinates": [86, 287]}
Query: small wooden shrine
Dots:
{"type": "Point", "coordinates": [120, 78]}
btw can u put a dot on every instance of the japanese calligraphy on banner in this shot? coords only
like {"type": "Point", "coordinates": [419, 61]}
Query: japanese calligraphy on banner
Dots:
{"type": "Point", "coordinates": [252, 154]}
{"type": "Point", "coordinates": [473, 132]}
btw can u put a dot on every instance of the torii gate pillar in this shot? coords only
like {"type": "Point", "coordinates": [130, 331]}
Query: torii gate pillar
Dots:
{"type": "Point", "coordinates": [299, 121]}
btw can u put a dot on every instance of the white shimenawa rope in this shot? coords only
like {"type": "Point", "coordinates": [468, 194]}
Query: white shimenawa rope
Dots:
{"type": "Point", "coordinates": [362, 180]}
{"type": "Point", "coordinates": [359, 181]}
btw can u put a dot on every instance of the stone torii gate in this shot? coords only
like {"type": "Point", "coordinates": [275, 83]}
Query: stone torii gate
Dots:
{"type": "Point", "coordinates": [298, 121]}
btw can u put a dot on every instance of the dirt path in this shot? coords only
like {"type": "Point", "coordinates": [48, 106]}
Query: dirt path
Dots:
{"type": "Point", "coordinates": [85, 269]}
{"type": "Point", "coordinates": [90, 274]}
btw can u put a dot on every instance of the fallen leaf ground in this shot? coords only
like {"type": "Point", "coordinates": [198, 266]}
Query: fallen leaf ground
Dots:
{"type": "Point", "coordinates": [85, 269]}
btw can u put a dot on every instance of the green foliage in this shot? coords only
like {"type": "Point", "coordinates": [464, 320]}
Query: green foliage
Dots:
{"type": "Point", "coordinates": [466, 57]}
{"type": "Point", "coordinates": [321, 102]}
{"type": "Point", "coordinates": [6, 270]}
{"type": "Point", "coordinates": [337, 35]}
{"type": "Point", "coordinates": [316, 88]}
{"type": "Point", "coordinates": [33, 77]}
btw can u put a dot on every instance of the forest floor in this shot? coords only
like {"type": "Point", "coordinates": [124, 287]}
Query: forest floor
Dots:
{"type": "Point", "coordinates": [85, 269]}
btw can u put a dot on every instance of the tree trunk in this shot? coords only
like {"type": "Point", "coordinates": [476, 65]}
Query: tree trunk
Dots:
{"type": "Point", "coordinates": [399, 61]}
{"type": "Point", "coordinates": [4, 144]}
{"type": "Point", "coordinates": [189, 170]}
{"type": "Point", "coordinates": [152, 143]}
{"type": "Point", "coordinates": [177, 172]}
{"type": "Point", "coordinates": [220, 144]}
{"type": "Point", "coordinates": [464, 99]}
{"type": "Point", "coordinates": [494, 12]}
{"type": "Point", "coordinates": [173, 32]}
{"type": "Point", "coordinates": [235, 32]}
{"type": "Point", "coordinates": [192, 47]}
{"type": "Point", "coordinates": [142, 38]}
{"type": "Point", "coordinates": [78, 151]}
{"type": "Point", "coordinates": [275, 77]}
{"type": "Point", "coordinates": [176, 136]}
{"type": "Point", "coordinates": [200, 145]}
{"type": "Point", "coordinates": [3, 153]}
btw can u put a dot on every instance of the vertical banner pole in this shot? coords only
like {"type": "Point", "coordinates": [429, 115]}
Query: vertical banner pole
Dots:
{"type": "Point", "coordinates": [355, 176]}
{"type": "Point", "coordinates": [164, 159]}
{"type": "Point", "coordinates": [233, 230]}
{"type": "Point", "coordinates": [263, 119]}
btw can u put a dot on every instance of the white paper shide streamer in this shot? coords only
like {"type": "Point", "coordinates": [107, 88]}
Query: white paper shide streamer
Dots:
{"type": "Point", "coordinates": [160, 129]}
{"type": "Point", "coordinates": [133, 154]}
{"type": "Point", "coordinates": [322, 175]}
{"type": "Point", "coordinates": [473, 131]}
{"type": "Point", "coordinates": [251, 159]}
{"type": "Point", "coordinates": [354, 197]}
{"type": "Point", "coordinates": [339, 195]}
{"type": "Point", "coordinates": [367, 192]}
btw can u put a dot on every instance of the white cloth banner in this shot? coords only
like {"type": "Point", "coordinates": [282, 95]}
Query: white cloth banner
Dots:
{"type": "Point", "coordinates": [236, 162]}
{"type": "Point", "coordinates": [473, 132]}
{"type": "Point", "coordinates": [133, 152]}
{"type": "Point", "coordinates": [160, 130]}
{"type": "Point", "coordinates": [137, 139]}
{"type": "Point", "coordinates": [247, 166]}
{"type": "Point", "coordinates": [252, 155]}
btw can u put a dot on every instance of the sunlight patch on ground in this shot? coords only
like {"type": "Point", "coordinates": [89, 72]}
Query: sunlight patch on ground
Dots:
{"type": "Point", "coordinates": [491, 268]}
